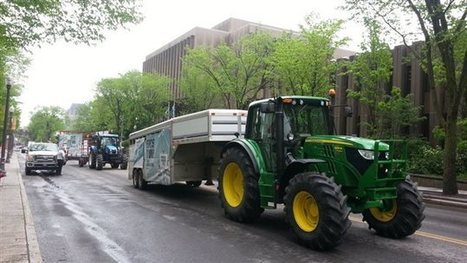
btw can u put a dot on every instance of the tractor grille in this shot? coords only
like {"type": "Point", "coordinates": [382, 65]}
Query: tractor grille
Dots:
{"type": "Point", "coordinates": [362, 164]}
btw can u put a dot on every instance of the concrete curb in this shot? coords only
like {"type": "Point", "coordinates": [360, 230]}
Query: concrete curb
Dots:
{"type": "Point", "coordinates": [34, 253]}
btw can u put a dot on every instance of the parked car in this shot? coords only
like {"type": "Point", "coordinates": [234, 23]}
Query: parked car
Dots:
{"type": "Point", "coordinates": [44, 156]}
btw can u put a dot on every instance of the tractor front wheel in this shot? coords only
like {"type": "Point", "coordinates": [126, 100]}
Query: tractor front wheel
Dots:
{"type": "Point", "coordinates": [401, 217]}
{"type": "Point", "coordinates": [238, 187]}
{"type": "Point", "coordinates": [316, 210]}
{"type": "Point", "coordinates": [92, 161]}
{"type": "Point", "coordinates": [99, 162]}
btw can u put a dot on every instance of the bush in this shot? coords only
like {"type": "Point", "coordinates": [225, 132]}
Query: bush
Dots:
{"type": "Point", "coordinates": [426, 160]}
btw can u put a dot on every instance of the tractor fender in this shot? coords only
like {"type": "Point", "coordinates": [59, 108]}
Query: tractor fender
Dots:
{"type": "Point", "coordinates": [294, 167]}
{"type": "Point", "coordinates": [246, 147]}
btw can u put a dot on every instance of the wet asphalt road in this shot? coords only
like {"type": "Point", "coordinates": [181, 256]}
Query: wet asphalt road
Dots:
{"type": "Point", "coordinates": [97, 216]}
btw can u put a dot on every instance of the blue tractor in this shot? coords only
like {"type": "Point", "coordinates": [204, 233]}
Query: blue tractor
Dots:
{"type": "Point", "coordinates": [105, 148]}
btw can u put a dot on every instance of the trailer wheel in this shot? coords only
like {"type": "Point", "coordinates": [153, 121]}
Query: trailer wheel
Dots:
{"type": "Point", "coordinates": [134, 177]}
{"type": "Point", "coordinates": [142, 184]}
{"type": "Point", "coordinates": [99, 162]}
{"type": "Point", "coordinates": [238, 187]}
{"type": "Point", "coordinates": [92, 161]}
{"type": "Point", "coordinates": [402, 216]}
{"type": "Point", "coordinates": [193, 183]}
{"type": "Point", "coordinates": [316, 210]}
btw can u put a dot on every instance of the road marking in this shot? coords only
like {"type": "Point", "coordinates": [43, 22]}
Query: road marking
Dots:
{"type": "Point", "coordinates": [442, 238]}
{"type": "Point", "coordinates": [426, 234]}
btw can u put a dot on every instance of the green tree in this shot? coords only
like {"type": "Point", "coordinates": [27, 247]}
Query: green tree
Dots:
{"type": "Point", "coordinates": [26, 23]}
{"type": "Point", "coordinates": [199, 90]}
{"type": "Point", "coordinates": [132, 100]}
{"type": "Point", "coordinates": [239, 72]}
{"type": "Point", "coordinates": [304, 63]}
{"type": "Point", "coordinates": [444, 56]}
{"type": "Point", "coordinates": [45, 123]}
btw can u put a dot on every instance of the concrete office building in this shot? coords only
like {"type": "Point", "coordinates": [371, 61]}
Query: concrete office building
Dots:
{"type": "Point", "coordinates": [167, 59]}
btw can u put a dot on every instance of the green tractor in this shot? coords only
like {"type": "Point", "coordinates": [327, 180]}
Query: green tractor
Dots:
{"type": "Point", "coordinates": [290, 156]}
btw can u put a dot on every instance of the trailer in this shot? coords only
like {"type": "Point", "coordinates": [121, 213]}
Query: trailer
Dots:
{"type": "Point", "coordinates": [75, 144]}
{"type": "Point", "coordinates": [185, 148]}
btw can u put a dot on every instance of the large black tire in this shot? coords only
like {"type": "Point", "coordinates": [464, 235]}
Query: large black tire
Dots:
{"type": "Point", "coordinates": [238, 187]}
{"type": "Point", "coordinates": [134, 177]}
{"type": "Point", "coordinates": [114, 165]}
{"type": "Point", "coordinates": [27, 171]}
{"type": "Point", "coordinates": [142, 184]}
{"type": "Point", "coordinates": [124, 163]}
{"type": "Point", "coordinates": [99, 162]}
{"type": "Point", "coordinates": [80, 162]}
{"type": "Point", "coordinates": [92, 161]}
{"type": "Point", "coordinates": [316, 210]}
{"type": "Point", "coordinates": [193, 183]}
{"type": "Point", "coordinates": [404, 215]}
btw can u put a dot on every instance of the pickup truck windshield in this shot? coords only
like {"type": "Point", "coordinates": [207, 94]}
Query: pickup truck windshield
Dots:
{"type": "Point", "coordinates": [49, 147]}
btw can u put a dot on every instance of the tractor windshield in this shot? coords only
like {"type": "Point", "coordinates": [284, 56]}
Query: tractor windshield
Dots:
{"type": "Point", "coordinates": [109, 141]}
{"type": "Point", "coordinates": [306, 120]}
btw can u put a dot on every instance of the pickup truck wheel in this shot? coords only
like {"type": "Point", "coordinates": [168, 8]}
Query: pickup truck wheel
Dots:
{"type": "Point", "coordinates": [92, 161]}
{"type": "Point", "coordinates": [193, 183]}
{"type": "Point", "coordinates": [99, 162]}
{"type": "Point", "coordinates": [402, 216]}
{"type": "Point", "coordinates": [114, 165]}
{"type": "Point", "coordinates": [27, 171]}
{"type": "Point", "coordinates": [80, 162]}
{"type": "Point", "coordinates": [124, 165]}
{"type": "Point", "coordinates": [316, 210]}
{"type": "Point", "coordinates": [238, 187]}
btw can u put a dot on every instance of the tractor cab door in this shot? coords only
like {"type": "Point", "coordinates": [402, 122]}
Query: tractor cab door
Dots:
{"type": "Point", "coordinates": [262, 131]}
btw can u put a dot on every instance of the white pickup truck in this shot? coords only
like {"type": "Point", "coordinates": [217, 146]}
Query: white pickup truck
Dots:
{"type": "Point", "coordinates": [43, 156]}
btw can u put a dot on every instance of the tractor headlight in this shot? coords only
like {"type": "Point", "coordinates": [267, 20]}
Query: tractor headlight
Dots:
{"type": "Point", "coordinates": [369, 155]}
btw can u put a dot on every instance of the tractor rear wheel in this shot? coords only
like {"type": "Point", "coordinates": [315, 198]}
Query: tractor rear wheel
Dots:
{"type": "Point", "coordinates": [92, 161]}
{"type": "Point", "coordinates": [402, 216]}
{"type": "Point", "coordinates": [238, 187]}
{"type": "Point", "coordinates": [316, 210]}
{"type": "Point", "coordinates": [99, 162]}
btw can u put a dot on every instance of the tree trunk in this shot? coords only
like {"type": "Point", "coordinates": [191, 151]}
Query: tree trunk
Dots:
{"type": "Point", "coordinates": [450, 146]}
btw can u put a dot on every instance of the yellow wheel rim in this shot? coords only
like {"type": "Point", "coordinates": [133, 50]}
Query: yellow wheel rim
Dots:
{"type": "Point", "coordinates": [232, 184]}
{"type": "Point", "coordinates": [306, 211]}
{"type": "Point", "coordinates": [384, 216]}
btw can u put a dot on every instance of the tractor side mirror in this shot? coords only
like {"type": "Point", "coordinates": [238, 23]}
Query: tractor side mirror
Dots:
{"type": "Point", "coordinates": [266, 107]}
{"type": "Point", "coordinates": [348, 111]}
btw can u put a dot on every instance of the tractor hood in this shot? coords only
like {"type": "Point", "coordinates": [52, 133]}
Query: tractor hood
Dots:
{"type": "Point", "coordinates": [112, 149]}
{"type": "Point", "coordinates": [348, 141]}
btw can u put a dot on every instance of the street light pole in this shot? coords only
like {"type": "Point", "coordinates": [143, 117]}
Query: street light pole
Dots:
{"type": "Point", "coordinates": [10, 136]}
{"type": "Point", "coordinates": [5, 123]}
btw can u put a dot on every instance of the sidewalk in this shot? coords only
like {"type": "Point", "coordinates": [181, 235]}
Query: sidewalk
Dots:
{"type": "Point", "coordinates": [18, 242]}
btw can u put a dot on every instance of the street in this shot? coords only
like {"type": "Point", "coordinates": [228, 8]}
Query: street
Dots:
{"type": "Point", "coordinates": [86, 215]}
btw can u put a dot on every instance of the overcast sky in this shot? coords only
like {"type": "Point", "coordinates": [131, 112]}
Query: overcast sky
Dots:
{"type": "Point", "coordinates": [62, 74]}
